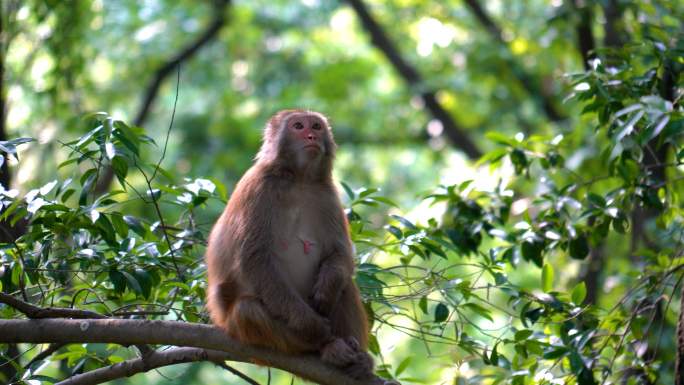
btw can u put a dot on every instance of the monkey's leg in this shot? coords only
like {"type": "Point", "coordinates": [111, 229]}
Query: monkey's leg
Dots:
{"type": "Point", "coordinates": [348, 320]}
{"type": "Point", "coordinates": [249, 321]}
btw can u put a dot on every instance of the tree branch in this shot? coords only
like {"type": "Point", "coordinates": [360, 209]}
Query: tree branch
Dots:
{"type": "Point", "coordinates": [236, 372]}
{"type": "Point", "coordinates": [149, 362]}
{"type": "Point", "coordinates": [380, 40]}
{"type": "Point", "coordinates": [36, 312]}
{"type": "Point", "coordinates": [131, 332]}
{"type": "Point", "coordinates": [44, 354]}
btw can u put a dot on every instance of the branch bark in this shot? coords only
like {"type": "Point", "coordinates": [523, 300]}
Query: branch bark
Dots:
{"type": "Point", "coordinates": [378, 38]}
{"type": "Point", "coordinates": [131, 332]}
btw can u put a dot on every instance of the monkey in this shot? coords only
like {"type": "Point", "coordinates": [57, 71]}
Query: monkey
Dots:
{"type": "Point", "coordinates": [280, 259]}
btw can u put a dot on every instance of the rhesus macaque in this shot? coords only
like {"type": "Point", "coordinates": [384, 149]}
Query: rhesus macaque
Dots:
{"type": "Point", "coordinates": [280, 261]}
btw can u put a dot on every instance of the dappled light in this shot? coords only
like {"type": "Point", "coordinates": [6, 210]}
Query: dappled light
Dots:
{"type": "Point", "coordinates": [511, 174]}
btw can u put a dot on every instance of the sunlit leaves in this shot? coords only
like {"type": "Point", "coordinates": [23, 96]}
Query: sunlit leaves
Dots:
{"type": "Point", "coordinates": [579, 293]}
{"type": "Point", "coordinates": [547, 278]}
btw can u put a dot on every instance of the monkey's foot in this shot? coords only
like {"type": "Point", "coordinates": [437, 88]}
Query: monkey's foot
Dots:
{"type": "Point", "coordinates": [361, 367]}
{"type": "Point", "coordinates": [338, 353]}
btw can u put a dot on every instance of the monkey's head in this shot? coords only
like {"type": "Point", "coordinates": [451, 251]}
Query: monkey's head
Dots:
{"type": "Point", "coordinates": [298, 140]}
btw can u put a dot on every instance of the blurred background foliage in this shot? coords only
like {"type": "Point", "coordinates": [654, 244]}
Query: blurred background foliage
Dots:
{"type": "Point", "coordinates": [495, 66]}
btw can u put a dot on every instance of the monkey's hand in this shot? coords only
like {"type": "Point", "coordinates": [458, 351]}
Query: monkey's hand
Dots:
{"type": "Point", "coordinates": [330, 283]}
{"type": "Point", "coordinates": [323, 300]}
{"type": "Point", "coordinates": [311, 326]}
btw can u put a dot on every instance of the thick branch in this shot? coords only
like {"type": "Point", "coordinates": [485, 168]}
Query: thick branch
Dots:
{"type": "Point", "coordinates": [525, 79]}
{"type": "Point", "coordinates": [380, 40]}
{"type": "Point", "coordinates": [153, 361]}
{"type": "Point", "coordinates": [131, 332]}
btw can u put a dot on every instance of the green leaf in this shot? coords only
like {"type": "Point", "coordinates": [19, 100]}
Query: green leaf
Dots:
{"type": "Point", "coordinates": [403, 365]}
{"type": "Point", "coordinates": [133, 283]}
{"type": "Point", "coordinates": [551, 301]}
{"type": "Point", "coordinates": [145, 282]}
{"type": "Point", "coordinates": [95, 114]}
{"type": "Point", "coordinates": [220, 187]}
{"type": "Point", "coordinates": [135, 224]}
{"type": "Point", "coordinates": [492, 156]}
{"type": "Point", "coordinates": [547, 278]}
{"type": "Point", "coordinates": [367, 192]}
{"type": "Point", "coordinates": [67, 194]}
{"type": "Point", "coordinates": [522, 335]}
{"type": "Point", "coordinates": [441, 313]}
{"type": "Point", "coordinates": [118, 280]}
{"type": "Point", "coordinates": [433, 248]}
{"type": "Point", "coordinates": [532, 251]}
{"type": "Point", "coordinates": [384, 200]}
{"type": "Point", "coordinates": [627, 110]}
{"type": "Point", "coordinates": [500, 138]}
{"type": "Point", "coordinates": [579, 293]}
{"type": "Point", "coordinates": [83, 199]}
{"type": "Point", "coordinates": [127, 142]}
{"type": "Point", "coordinates": [423, 304]}
{"type": "Point", "coordinates": [404, 222]}
{"type": "Point", "coordinates": [579, 247]}
{"type": "Point", "coordinates": [18, 141]}
{"type": "Point", "coordinates": [494, 357]}
{"type": "Point", "coordinates": [119, 224]}
{"type": "Point", "coordinates": [167, 174]}
{"type": "Point", "coordinates": [479, 310]}
{"type": "Point", "coordinates": [87, 137]}
{"type": "Point", "coordinates": [348, 190]}
{"type": "Point", "coordinates": [107, 230]}
{"type": "Point", "coordinates": [446, 244]}
{"type": "Point", "coordinates": [394, 231]}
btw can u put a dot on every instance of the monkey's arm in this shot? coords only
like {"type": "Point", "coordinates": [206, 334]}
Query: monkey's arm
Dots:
{"type": "Point", "coordinates": [337, 268]}
{"type": "Point", "coordinates": [334, 276]}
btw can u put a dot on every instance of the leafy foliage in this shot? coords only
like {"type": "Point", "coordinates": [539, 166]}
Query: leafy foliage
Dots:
{"type": "Point", "coordinates": [485, 285]}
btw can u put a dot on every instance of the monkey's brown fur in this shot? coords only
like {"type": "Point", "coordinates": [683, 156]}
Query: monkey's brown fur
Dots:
{"type": "Point", "coordinates": [280, 260]}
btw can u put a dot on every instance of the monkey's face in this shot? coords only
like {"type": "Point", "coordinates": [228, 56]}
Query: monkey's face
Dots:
{"type": "Point", "coordinates": [308, 135]}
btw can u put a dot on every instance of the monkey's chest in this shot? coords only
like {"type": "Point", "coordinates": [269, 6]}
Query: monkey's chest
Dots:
{"type": "Point", "coordinates": [300, 250]}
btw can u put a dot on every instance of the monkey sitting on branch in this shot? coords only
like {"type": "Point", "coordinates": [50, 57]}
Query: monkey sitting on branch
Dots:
{"type": "Point", "coordinates": [280, 260]}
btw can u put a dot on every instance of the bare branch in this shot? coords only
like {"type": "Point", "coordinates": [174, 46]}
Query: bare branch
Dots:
{"type": "Point", "coordinates": [149, 362]}
{"type": "Point", "coordinates": [380, 40]}
{"type": "Point", "coordinates": [44, 354]}
{"type": "Point", "coordinates": [132, 332]}
{"type": "Point", "coordinates": [236, 372]}
{"type": "Point", "coordinates": [36, 312]}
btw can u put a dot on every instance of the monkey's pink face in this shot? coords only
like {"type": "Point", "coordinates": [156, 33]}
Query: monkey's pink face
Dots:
{"type": "Point", "coordinates": [309, 132]}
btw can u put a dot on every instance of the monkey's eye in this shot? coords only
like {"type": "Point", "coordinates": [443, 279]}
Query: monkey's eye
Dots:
{"type": "Point", "coordinates": [316, 126]}
{"type": "Point", "coordinates": [298, 126]}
